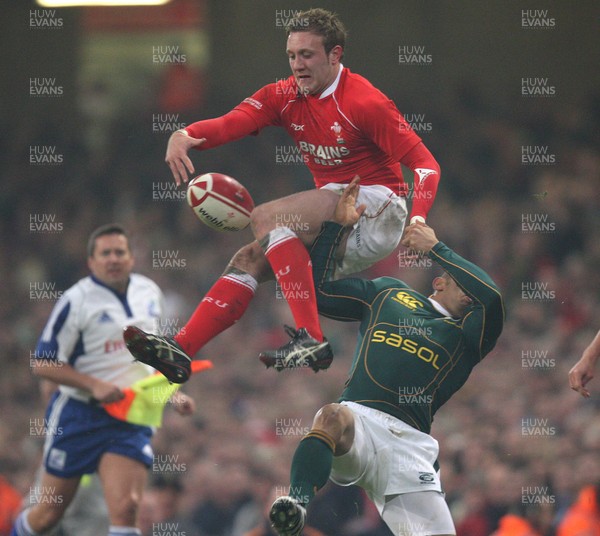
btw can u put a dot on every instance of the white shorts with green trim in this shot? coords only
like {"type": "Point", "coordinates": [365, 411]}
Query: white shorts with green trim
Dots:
{"type": "Point", "coordinates": [388, 457]}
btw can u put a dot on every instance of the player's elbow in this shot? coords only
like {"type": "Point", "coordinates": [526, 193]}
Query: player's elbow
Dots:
{"type": "Point", "coordinates": [420, 157]}
{"type": "Point", "coordinates": [494, 305]}
{"type": "Point", "coordinates": [37, 367]}
{"type": "Point", "coordinates": [433, 164]}
{"type": "Point", "coordinates": [430, 161]}
{"type": "Point", "coordinates": [493, 300]}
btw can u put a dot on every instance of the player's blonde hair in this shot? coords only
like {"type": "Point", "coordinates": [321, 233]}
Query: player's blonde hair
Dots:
{"type": "Point", "coordinates": [321, 22]}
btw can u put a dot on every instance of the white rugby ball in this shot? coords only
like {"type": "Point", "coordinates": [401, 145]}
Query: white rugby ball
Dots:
{"type": "Point", "coordinates": [220, 202]}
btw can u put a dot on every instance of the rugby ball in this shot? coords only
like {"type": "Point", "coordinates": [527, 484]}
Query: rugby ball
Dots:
{"type": "Point", "coordinates": [220, 202]}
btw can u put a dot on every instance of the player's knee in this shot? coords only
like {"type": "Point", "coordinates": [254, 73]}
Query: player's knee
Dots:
{"type": "Point", "coordinates": [331, 419]}
{"type": "Point", "coordinates": [261, 220]}
{"type": "Point", "coordinates": [265, 218]}
{"type": "Point", "coordinates": [124, 511]}
{"type": "Point", "coordinates": [251, 259]}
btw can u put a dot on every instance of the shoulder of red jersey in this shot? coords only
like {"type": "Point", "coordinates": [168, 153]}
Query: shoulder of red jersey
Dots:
{"type": "Point", "coordinates": [358, 92]}
{"type": "Point", "coordinates": [266, 105]}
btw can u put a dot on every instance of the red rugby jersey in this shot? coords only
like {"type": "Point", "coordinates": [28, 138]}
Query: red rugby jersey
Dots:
{"type": "Point", "coordinates": [354, 130]}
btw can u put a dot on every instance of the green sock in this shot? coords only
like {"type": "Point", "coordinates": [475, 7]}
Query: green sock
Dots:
{"type": "Point", "coordinates": [311, 465]}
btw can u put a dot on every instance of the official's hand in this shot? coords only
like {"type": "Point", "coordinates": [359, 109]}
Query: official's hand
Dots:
{"type": "Point", "coordinates": [346, 212]}
{"type": "Point", "coordinates": [419, 237]}
{"type": "Point", "coordinates": [177, 148]}
{"type": "Point", "coordinates": [581, 373]}
{"type": "Point", "coordinates": [183, 404]}
{"type": "Point", "coordinates": [105, 392]}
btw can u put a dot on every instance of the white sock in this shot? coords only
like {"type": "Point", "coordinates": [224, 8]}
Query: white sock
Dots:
{"type": "Point", "coordinates": [22, 526]}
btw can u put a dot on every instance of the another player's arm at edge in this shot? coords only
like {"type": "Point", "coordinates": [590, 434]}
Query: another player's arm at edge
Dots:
{"type": "Point", "coordinates": [583, 371]}
{"type": "Point", "coordinates": [483, 323]}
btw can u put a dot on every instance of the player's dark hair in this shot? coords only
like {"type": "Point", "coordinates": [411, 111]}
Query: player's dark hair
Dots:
{"type": "Point", "coordinates": [440, 272]}
{"type": "Point", "coordinates": [321, 22]}
{"type": "Point", "coordinates": [103, 230]}
{"type": "Point", "coordinates": [445, 275]}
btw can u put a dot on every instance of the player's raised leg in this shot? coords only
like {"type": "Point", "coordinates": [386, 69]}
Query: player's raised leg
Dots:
{"type": "Point", "coordinates": [52, 498]}
{"type": "Point", "coordinates": [332, 434]}
{"type": "Point", "coordinates": [222, 306]}
{"type": "Point", "coordinates": [284, 228]}
{"type": "Point", "coordinates": [123, 480]}
{"type": "Point", "coordinates": [227, 300]}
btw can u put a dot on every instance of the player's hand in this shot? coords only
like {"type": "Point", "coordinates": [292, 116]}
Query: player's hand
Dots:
{"type": "Point", "coordinates": [581, 373]}
{"type": "Point", "coordinates": [105, 392]}
{"type": "Point", "coordinates": [419, 237]}
{"type": "Point", "coordinates": [183, 404]}
{"type": "Point", "coordinates": [177, 148]}
{"type": "Point", "coordinates": [346, 212]}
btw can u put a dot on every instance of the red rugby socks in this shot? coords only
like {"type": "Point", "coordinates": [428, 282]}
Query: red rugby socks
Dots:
{"type": "Point", "coordinates": [223, 306]}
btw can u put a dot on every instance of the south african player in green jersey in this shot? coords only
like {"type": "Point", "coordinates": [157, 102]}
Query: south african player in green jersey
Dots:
{"type": "Point", "coordinates": [413, 353]}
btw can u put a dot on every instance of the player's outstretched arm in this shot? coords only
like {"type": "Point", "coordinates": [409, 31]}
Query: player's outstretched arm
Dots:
{"type": "Point", "coordinates": [344, 299]}
{"type": "Point", "coordinates": [206, 134]}
{"type": "Point", "coordinates": [583, 371]}
{"type": "Point", "coordinates": [177, 158]}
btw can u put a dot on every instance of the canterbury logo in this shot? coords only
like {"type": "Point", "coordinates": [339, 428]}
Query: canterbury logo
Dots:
{"type": "Point", "coordinates": [407, 300]}
{"type": "Point", "coordinates": [424, 173]}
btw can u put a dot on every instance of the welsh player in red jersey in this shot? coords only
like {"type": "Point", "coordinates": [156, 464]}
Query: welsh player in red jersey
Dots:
{"type": "Point", "coordinates": [345, 128]}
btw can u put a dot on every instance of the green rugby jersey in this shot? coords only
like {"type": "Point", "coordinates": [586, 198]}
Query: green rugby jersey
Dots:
{"type": "Point", "coordinates": [410, 358]}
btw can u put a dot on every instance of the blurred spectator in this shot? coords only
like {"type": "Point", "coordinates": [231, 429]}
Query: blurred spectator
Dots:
{"type": "Point", "coordinates": [583, 517]}
{"type": "Point", "coordinates": [10, 506]}
{"type": "Point", "coordinates": [514, 525]}
{"type": "Point", "coordinates": [182, 89]}
{"type": "Point", "coordinates": [160, 509]}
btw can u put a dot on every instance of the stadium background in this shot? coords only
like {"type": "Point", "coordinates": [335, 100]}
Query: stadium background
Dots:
{"type": "Point", "coordinates": [519, 195]}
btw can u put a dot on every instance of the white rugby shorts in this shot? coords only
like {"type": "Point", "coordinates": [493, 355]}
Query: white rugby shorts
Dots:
{"type": "Point", "coordinates": [378, 231]}
{"type": "Point", "coordinates": [388, 457]}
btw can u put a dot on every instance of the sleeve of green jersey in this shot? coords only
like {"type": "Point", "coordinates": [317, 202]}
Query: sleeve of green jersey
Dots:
{"type": "Point", "coordinates": [483, 323]}
{"type": "Point", "coordinates": [344, 299]}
